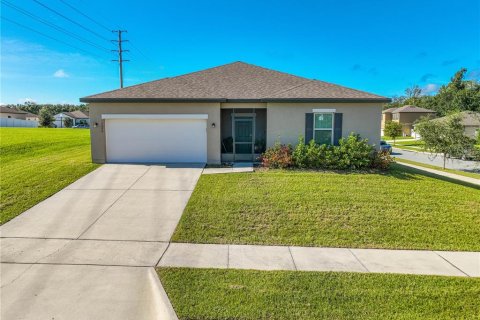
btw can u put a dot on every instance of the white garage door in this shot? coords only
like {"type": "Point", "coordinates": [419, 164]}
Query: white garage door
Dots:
{"type": "Point", "coordinates": [156, 138]}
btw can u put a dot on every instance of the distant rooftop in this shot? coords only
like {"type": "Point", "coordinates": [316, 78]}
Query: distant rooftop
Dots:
{"type": "Point", "coordinates": [469, 118]}
{"type": "Point", "coordinates": [11, 110]}
{"type": "Point", "coordinates": [77, 114]}
{"type": "Point", "coordinates": [412, 109]}
{"type": "Point", "coordinates": [389, 110]}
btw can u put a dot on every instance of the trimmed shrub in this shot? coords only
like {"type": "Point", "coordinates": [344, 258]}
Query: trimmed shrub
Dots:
{"type": "Point", "coordinates": [352, 153]}
{"type": "Point", "coordinates": [278, 157]}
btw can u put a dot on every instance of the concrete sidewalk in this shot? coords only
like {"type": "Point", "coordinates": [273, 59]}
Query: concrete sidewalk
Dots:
{"type": "Point", "coordinates": [444, 174]}
{"type": "Point", "coordinates": [236, 168]}
{"type": "Point", "coordinates": [444, 263]}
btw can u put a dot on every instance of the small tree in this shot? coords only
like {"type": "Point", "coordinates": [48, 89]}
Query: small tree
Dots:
{"type": "Point", "coordinates": [393, 129]}
{"type": "Point", "coordinates": [45, 117]}
{"type": "Point", "coordinates": [68, 122]}
{"type": "Point", "coordinates": [445, 137]}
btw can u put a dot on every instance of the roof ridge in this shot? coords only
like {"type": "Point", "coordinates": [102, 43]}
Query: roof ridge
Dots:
{"type": "Point", "coordinates": [348, 88]}
{"type": "Point", "coordinates": [157, 80]}
{"type": "Point", "coordinates": [294, 87]}
{"type": "Point", "coordinates": [276, 71]}
{"type": "Point", "coordinates": [310, 80]}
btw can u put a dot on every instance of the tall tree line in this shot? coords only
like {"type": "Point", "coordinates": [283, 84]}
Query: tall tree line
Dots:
{"type": "Point", "coordinates": [458, 95]}
{"type": "Point", "coordinates": [52, 108]}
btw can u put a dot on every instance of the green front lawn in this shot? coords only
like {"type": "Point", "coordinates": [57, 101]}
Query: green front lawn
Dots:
{"type": "Point", "coordinates": [398, 138]}
{"type": "Point", "coordinates": [413, 145]}
{"type": "Point", "coordinates": [242, 294]}
{"type": "Point", "coordinates": [399, 209]}
{"type": "Point", "coordinates": [36, 163]}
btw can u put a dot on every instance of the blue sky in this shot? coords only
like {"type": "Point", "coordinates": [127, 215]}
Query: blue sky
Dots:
{"type": "Point", "coordinates": [377, 46]}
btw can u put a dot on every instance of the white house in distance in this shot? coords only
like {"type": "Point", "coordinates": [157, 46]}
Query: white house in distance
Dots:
{"type": "Point", "coordinates": [78, 117]}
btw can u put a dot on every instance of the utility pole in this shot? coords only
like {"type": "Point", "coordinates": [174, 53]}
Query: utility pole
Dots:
{"type": "Point", "coordinates": [120, 53]}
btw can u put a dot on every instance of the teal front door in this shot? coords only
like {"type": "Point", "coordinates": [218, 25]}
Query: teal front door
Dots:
{"type": "Point", "coordinates": [243, 138]}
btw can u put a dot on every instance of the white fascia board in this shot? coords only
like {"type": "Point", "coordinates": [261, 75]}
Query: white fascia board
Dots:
{"type": "Point", "coordinates": [324, 110]}
{"type": "Point", "coordinates": [155, 116]}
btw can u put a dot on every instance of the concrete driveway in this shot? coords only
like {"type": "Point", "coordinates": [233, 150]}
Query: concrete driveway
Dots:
{"type": "Point", "coordinates": [87, 252]}
{"type": "Point", "coordinates": [427, 158]}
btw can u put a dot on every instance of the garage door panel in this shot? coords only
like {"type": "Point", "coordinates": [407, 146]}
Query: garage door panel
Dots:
{"type": "Point", "coordinates": [156, 140]}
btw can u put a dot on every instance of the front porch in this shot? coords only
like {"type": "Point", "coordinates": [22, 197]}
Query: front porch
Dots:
{"type": "Point", "coordinates": [243, 134]}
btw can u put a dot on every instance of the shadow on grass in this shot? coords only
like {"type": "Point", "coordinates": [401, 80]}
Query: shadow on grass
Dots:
{"type": "Point", "coordinates": [404, 172]}
{"type": "Point", "coordinates": [396, 171]}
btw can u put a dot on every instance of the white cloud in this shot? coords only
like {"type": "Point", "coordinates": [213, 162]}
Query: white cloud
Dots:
{"type": "Point", "coordinates": [26, 100]}
{"type": "Point", "coordinates": [430, 88]}
{"type": "Point", "coordinates": [60, 73]}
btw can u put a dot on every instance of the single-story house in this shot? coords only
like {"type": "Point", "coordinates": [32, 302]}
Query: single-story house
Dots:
{"type": "Point", "coordinates": [470, 121]}
{"type": "Point", "coordinates": [78, 117]}
{"type": "Point", "coordinates": [31, 117]}
{"type": "Point", "coordinates": [227, 113]}
{"type": "Point", "coordinates": [406, 116]}
{"type": "Point", "coordinates": [12, 113]}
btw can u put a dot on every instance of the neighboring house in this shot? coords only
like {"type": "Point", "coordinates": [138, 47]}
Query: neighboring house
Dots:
{"type": "Point", "coordinates": [31, 117]}
{"type": "Point", "coordinates": [227, 113]}
{"type": "Point", "coordinates": [470, 121]}
{"type": "Point", "coordinates": [386, 116]}
{"type": "Point", "coordinates": [406, 116]}
{"type": "Point", "coordinates": [6, 112]}
{"type": "Point", "coordinates": [78, 117]}
{"type": "Point", "coordinates": [11, 117]}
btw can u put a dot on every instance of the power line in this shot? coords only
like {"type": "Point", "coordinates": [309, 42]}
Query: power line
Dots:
{"type": "Point", "coordinates": [58, 28]}
{"type": "Point", "coordinates": [145, 56]}
{"type": "Point", "coordinates": [83, 14]}
{"type": "Point", "coordinates": [74, 22]}
{"type": "Point", "coordinates": [45, 35]}
{"type": "Point", "coordinates": [106, 28]}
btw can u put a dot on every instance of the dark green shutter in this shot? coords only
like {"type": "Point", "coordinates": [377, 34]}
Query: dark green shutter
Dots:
{"type": "Point", "coordinates": [308, 127]}
{"type": "Point", "coordinates": [337, 130]}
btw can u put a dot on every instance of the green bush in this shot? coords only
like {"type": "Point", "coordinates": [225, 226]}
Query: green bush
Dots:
{"type": "Point", "coordinates": [352, 153]}
{"type": "Point", "coordinates": [278, 157]}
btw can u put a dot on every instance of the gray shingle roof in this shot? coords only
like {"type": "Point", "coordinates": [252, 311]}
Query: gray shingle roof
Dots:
{"type": "Point", "coordinates": [236, 81]}
{"type": "Point", "coordinates": [77, 114]}
{"type": "Point", "coordinates": [389, 110]}
{"type": "Point", "coordinates": [410, 109]}
{"type": "Point", "coordinates": [468, 118]}
{"type": "Point", "coordinates": [11, 110]}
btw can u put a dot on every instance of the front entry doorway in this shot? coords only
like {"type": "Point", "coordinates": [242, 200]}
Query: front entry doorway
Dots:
{"type": "Point", "coordinates": [243, 132]}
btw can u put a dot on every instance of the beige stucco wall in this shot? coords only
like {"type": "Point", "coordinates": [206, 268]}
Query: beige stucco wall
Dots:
{"type": "Point", "coordinates": [407, 120]}
{"type": "Point", "coordinates": [98, 134]}
{"type": "Point", "coordinates": [286, 121]}
{"type": "Point", "coordinates": [385, 118]}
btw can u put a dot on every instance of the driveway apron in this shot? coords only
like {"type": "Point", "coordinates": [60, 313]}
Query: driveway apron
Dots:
{"type": "Point", "coordinates": [88, 251]}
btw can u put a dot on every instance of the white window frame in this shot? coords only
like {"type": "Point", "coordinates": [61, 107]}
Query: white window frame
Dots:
{"type": "Point", "coordinates": [327, 111]}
